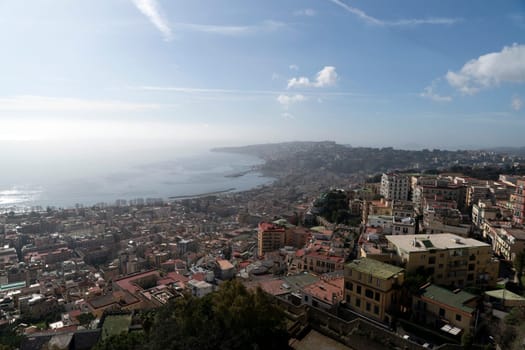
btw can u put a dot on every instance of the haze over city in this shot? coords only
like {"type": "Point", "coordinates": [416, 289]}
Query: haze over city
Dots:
{"type": "Point", "coordinates": [436, 74]}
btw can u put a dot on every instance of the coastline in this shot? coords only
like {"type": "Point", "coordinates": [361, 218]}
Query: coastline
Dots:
{"type": "Point", "coordinates": [235, 180]}
{"type": "Point", "coordinates": [206, 194]}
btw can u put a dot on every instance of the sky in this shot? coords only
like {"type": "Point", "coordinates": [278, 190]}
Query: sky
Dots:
{"type": "Point", "coordinates": [409, 74]}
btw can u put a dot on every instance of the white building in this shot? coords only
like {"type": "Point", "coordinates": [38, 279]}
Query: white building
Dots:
{"type": "Point", "coordinates": [395, 186]}
{"type": "Point", "coordinates": [200, 288]}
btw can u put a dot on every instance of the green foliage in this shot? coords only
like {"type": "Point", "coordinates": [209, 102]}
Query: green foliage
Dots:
{"type": "Point", "coordinates": [9, 339]}
{"type": "Point", "coordinates": [515, 317]}
{"type": "Point", "coordinates": [467, 340]}
{"type": "Point", "coordinates": [333, 206]}
{"type": "Point", "coordinates": [414, 281]}
{"type": "Point", "coordinates": [519, 265]}
{"type": "Point", "coordinates": [123, 341]}
{"type": "Point", "coordinates": [232, 318]}
{"type": "Point", "coordinates": [85, 318]}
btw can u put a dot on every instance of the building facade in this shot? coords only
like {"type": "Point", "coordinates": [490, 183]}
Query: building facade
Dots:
{"type": "Point", "coordinates": [395, 186]}
{"type": "Point", "coordinates": [270, 237]}
{"type": "Point", "coordinates": [437, 307]}
{"type": "Point", "coordinates": [373, 288]}
{"type": "Point", "coordinates": [451, 260]}
{"type": "Point", "coordinates": [518, 204]}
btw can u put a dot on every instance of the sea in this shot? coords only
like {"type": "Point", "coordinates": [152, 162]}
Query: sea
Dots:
{"type": "Point", "coordinates": [37, 175]}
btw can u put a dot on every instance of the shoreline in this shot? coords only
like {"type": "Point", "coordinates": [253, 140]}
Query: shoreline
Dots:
{"type": "Point", "coordinates": [206, 194]}
{"type": "Point", "coordinates": [257, 168]}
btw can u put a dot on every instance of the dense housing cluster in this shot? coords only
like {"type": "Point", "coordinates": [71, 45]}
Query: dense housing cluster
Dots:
{"type": "Point", "coordinates": [413, 249]}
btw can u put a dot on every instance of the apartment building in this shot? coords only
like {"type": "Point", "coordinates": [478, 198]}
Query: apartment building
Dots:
{"type": "Point", "coordinates": [372, 288]}
{"type": "Point", "coordinates": [518, 204]}
{"type": "Point", "coordinates": [270, 237]}
{"type": "Point", "coordinates": [439, 191]}
{"type": "Point", "coordinates": [506, 241]}
{"type": "Point", "coordinates": [452, 260]}
{"type": "Point", "coordinates": [395, 186]}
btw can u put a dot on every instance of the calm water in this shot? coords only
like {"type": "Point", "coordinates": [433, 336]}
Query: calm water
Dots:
{"type": "Point", "coordinates": [46, 176]}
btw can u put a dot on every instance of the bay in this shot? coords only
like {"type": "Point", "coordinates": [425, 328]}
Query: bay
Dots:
{"type": "Point", "coordinates": [34, 177]}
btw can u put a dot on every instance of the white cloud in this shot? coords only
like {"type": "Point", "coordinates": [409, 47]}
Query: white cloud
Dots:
{"type": "Point", "coordinates": [30, 103]}
{"type": "Point", "coordinates": [287, 100]}
{"type": "Point", "coordinates": [266, 26]}
{"type": "Point", "coordinates": [293, 67]}
{"type": "Point", "coordinates": [429, 92]}
{"type": "Point", "coordinates": [151, 10]}
{"type": "Point", "coordinates": [305, 12]}
{"type": "Point", "coordinates": [517, 103]}
{"type": "Point", "coordinates": [325, 77]}
{"type": "Point", "coordinates": [401, 22]}
{"type": "Point", "coordinates": [507, 65]}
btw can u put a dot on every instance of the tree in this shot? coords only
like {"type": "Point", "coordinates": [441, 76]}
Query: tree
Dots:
{"type": "Point", "coordinates": [519, 265]}
{"type": "Point", "coordinates": [467, 340]}
{"type": "Point", "coordinates": [123, 341]}
{"type": "Point", "coordinates": [85, 318]}
{"type": "Point", "coordinates": [232, 318]}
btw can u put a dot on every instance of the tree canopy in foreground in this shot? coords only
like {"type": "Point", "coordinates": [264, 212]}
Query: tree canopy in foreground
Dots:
{"type": "Point", "coordinates": [231, 318]}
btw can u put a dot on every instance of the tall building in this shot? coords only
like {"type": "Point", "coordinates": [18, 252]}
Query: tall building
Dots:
{"type": "Point", "coordinates": [450, 259]}
{"type": "Point", "coordinates": [518, 204]}
{"type": "Point", "coordinates": [270, 237]}
{"type": "Point", "coordinates": [372, 288]}
{"type": "Point", "coordinates": [395, 186]}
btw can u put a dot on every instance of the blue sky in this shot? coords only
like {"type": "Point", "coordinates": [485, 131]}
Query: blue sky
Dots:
{"type": "Point", "coordinates": [408, 74]}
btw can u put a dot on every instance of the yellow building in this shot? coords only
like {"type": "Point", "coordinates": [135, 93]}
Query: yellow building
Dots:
{"type": "Point", "coordinates": [373, 288]}
{"type": "Point", "coordinates": [451, 260]}
{"type": "Point", "coordinates": [438, 307]}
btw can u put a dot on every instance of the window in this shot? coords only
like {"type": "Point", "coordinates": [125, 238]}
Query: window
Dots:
{"type": "Point", "coordinates": [368, 306]}
{"type": "Point", "coordinates": [378, 282]}
{"type": "Point", "coordinates": [442, 312]}
{"type": "Point", "coordinates": [306, 298]}
{"type": "Point", "coordinates": [376, 309]}
{"type": "Point", "coordinates": [458, 318]}
{"type": "Point", "coordinates": [348, 299]}
{"type": "Point", "coordinates": [432, 260]}
{"type": "Point", "coordinates": [377, 296]}
{"type": "Point", "coordinates": [358, 290]}
{"type": "Point", "coordinates": [369, 278]}
{"type": "Point", "coordinates": [349, 286]}
{"type": "Point", "coordinates": [358, 302]}
{"type": "Point", "coordinates": [369, 293]}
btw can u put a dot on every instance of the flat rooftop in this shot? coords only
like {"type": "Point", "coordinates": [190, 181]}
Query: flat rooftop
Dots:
{"type": "Point", "coordinates": [420, 243]}
{"type": "Point", "coordinates": [375, 268]}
